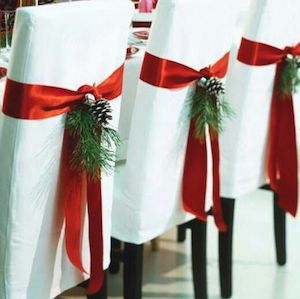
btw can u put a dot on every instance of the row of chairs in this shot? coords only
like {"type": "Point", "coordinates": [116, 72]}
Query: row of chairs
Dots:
{"type": "Point", "coordinates": [68, 46]}
{"type": "Point", "coordinates": [148, 185]}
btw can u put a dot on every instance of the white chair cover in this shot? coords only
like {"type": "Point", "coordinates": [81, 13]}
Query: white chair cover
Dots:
{"type": "Point", "coordinates": [148, 186]}
{"type": "Point", "coordinates": [249, 88]}
{"type": "Point", "coordinates": [63, 45]}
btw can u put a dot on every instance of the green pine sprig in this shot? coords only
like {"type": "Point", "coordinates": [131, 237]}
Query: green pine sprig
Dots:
{"type": "Point", "coordinates": [208, 110]}
{"type": "Point", "coordinates": [95, 143]}
{"type": "Point", "coordinates": [290, 76]}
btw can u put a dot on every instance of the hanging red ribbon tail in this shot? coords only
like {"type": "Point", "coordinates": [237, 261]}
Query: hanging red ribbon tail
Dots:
{"type": "Point", "coordinates": [72, 194]}
{"type": "Point", "coordinates": [217, 207]}
{"type": "Point", "coordinates": [94, 199]}
{"type": "Point", "coordinates": [282, 151]}
{"type": "Point", "coordinates": [195, 175]}
{"type": "Point", "coordinates": [72, 184]}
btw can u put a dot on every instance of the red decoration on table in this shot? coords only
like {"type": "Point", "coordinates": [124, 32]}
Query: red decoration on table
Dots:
{"type": "Point", "coordinates": [142, 34]}
{"type": "Point", "coordinates": [28, 101]}
{"type": "Point", "coordinates": [155, 3]}
{"type": "Point", "coordinates": [170, 74]}
{"type": "Point", "coordinates": [2, 72]}
{"type": "Point", "coordinates": [145, 6]}
{"type": "Point", "coordinates": [282, 162]}
{"type": "Point", "coordinates": [131, 51]}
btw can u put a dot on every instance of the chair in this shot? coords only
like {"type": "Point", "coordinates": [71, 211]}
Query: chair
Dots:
{"type": "Point", "coordinates": [147, 195]}
{"type": "Point", "coordinates": [244, 144]}
{"type": "Point", "coordinates": [55, 50]}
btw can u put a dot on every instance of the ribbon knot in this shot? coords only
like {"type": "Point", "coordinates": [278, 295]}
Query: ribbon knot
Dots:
{"type": "Point", "coordinates": [90, 89]}
{"type": "Point", "coordinates": [206, 73]}
{"type": "Point", "coordinates": [295, 51]}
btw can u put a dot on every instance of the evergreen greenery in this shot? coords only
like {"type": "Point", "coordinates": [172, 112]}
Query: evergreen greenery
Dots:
{"type": "Point", "coordinates": [207, 109]}
{"type": "Point", "coordinates": [290, 77]}
{"type": "Point", "coordinates": [95, 143]}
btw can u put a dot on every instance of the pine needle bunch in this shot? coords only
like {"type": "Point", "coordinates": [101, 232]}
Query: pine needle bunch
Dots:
{"type": "Point", "coordinates": [290, 77]}
{"type": "Point", "coordinates": [209, 108]}
{"type": "Point", "coordinates": [95, 142]}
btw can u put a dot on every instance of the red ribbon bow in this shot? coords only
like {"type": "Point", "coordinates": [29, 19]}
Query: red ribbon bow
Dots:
{"type": "Point", "coordinates": [282, 162]}
{"type": "Point", "coordinates": [169, 74]}
{"type": "Point", "coordinates": [27, 101]}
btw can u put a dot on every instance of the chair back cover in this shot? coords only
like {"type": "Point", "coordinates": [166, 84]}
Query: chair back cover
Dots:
{"type": "Point", "coordinates": [249, 91]}
{"type": "Point", "coordinates": [147, 198]}
{"type": "Point", "coordinates": [62, 45]}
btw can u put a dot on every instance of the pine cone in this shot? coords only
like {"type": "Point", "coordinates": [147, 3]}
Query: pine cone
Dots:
{"type": "Point", "coordinates": [297, 61]}
{"type": "Point", "coordinates": [101, 111]}
{"type": "Point", "coordinates": [213, 85]}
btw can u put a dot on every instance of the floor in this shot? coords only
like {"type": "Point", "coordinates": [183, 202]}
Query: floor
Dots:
{"type": "Point", "coordinates": [167, 272]}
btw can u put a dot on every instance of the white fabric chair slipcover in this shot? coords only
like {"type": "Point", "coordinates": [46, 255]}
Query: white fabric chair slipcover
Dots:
{"type": "Point", "coordinates": [63, 45]}
{"type": "Point", "coordinates": [249, 89]}
{"type": "Point", "coordinates": [132, 71]}
{"type": "Point", "coordinates": [147, 196]}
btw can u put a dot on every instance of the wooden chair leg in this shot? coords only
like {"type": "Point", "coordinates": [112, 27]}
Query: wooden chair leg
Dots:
{"type": "Point", "coordinates": [133, 271]}
{"type": "Point", "coordinates": [280, 231]}
{"type": "Point", "coordinates": [102, 294]}
{"type": "Point", "coordinates": [155, 244]}
{"type": "Point", "coordinates": [225, 249]}
{"type": "Point", "coordinates": [199, 262]}
{"type": "Point", "coordinates": [181, 233]}
{"type": "Point", "coordinates": [115, 256]}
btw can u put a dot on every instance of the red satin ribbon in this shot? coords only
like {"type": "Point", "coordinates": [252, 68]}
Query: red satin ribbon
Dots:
{"type": "Point", "coordinates": [282, 161]}
{"type": "Point", "coordinates": [32, 102]}
{"type": "Point", "coordinates": [169, 74]}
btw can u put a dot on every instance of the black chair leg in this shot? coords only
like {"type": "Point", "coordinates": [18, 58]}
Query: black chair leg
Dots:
{"type": "Point", "coordinates": [199, 262]}
{"type": "Point", "coordinates": [133, 271]}
{"type": "Point", "coordinates": [101, 294]}
{"type": "Point", "coordinates": [280, 231]}
{"type": "Point", "coordinates": [181, 233]}
{"type": "Point", "coordinates": [225, 249]}
{"type": "Point", "coordinates": [115, 256]}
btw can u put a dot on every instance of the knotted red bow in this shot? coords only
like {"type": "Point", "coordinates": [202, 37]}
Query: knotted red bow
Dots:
{"type": "Point", "coordinates": [28, 101]}
{"type": "Point", "coordinates": [170, 74]}
{"type": "Point", "coordinates": [282, 162]}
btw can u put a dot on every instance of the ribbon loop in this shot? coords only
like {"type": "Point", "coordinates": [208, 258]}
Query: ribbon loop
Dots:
{"type": "Point", "coordinates": [295, 51]}
{"type": "Point", "coordinates": [33, 101]}
{"type": "Point", "coordinates": [88, 89]}
{"type": "Point", "coordinates": [206, 73]}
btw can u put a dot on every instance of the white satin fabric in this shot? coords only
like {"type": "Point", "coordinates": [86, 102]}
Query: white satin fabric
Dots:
{"type": "Point", "coordinates": [65, 45]}
{"type": "Point", "coordinates": [147, 189]}
{"type": "Point", "coordinates": [243, 144]}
